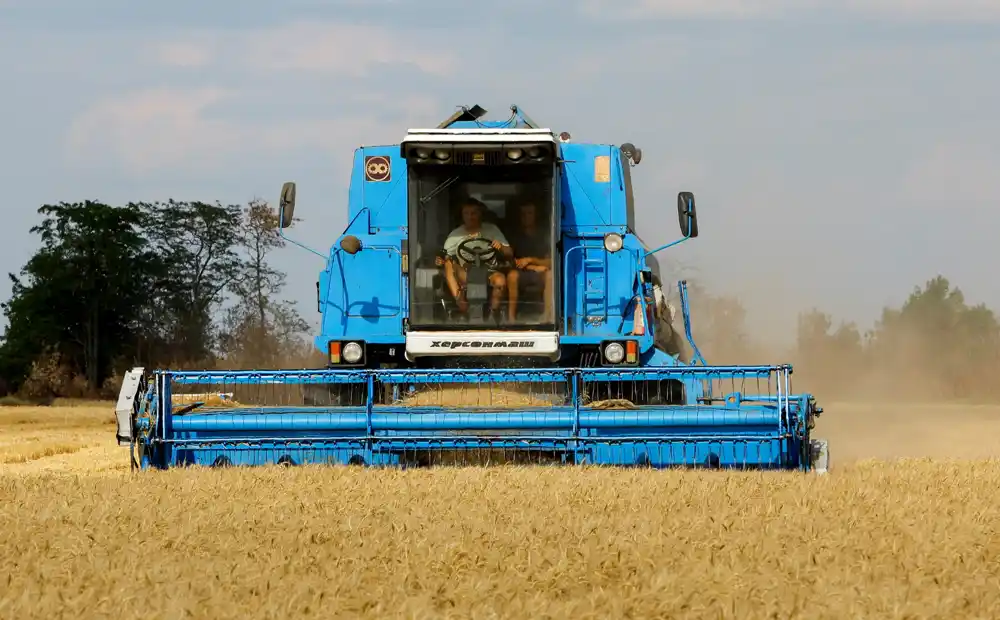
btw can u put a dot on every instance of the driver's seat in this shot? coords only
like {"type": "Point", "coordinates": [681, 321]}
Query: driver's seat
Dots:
{"type": "Point", "coordinates": [477, 293]}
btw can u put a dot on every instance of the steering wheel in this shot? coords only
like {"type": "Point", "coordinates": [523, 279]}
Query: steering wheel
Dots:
{"type": "Point", "coordinates": [477, 250]}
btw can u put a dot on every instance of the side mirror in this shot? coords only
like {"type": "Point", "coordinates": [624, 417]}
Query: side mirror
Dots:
{"type": "Point", "coordinates": [286, 204]}
{"type": "Point", "coordinates": [632, 152]}
{"type": "Point", "coordinates": [687, 215]}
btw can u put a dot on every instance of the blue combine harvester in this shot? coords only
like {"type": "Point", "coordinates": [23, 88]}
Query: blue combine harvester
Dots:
{"type": "Point", "coordinates": [489, 301]}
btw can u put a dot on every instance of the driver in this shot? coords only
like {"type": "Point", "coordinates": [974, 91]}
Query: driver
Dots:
{"type": "Point", "coordinates": [473, 227]}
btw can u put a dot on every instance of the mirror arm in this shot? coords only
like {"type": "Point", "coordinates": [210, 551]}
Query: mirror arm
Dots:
{"type": "Point", "coordinates": [281, 233]}
{"type": "Point", "coordinates": [668, 245]}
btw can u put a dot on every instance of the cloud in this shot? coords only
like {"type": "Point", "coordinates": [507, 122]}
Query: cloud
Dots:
{"type": "Point", "coordinates": [184, 126]}
{"type": "Point", "coordinates": [937, 10]}
{"type": "Point", "coordinates": [155, 129]}
{"type": "Point", "coordinates": [151, 128]}
{"type": "Point", "coordinates": [324, 47]}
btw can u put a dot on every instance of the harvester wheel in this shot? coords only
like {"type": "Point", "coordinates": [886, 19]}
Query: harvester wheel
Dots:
{"type": "Point", "coordinates": [820, 455]}
{"type": "Point", "coordinates": [222, 461]}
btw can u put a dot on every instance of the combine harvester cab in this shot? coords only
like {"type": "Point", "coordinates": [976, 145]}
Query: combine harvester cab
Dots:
{"type": "Point", "coordinates": [489, 301]}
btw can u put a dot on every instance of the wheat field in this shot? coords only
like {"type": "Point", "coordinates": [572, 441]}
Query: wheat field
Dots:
{"type": "Point", "coordinates": [905, 526]}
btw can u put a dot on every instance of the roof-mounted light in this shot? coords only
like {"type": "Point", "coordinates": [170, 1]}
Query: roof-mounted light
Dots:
{"type": "Point", "coordinates": [460, 153]}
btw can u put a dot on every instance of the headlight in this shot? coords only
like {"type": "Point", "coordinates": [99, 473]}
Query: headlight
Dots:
{"type": "Point", "coordinates": [614, 353]}
{"type": "Point", "coordinates": [352, 352]}
{"type": "Point", "coordinates": [613, 242]}
{"type": "Point", "coordinates": [441, 155]}
{"type": "Point", "coordinates": [515, 154]}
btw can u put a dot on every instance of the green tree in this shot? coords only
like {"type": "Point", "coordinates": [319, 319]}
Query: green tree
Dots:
{"type": "Point", "coordinates": [198, 242]}
{"type": "Point", "coordinates": [145, 284]}
{"type": "Point", "coordinates": [81, 293]}
{"type": "Point", "coordinates": [937, 345]}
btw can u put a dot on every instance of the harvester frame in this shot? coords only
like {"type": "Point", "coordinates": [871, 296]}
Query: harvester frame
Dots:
{"type": "Point", "coordinates": [605, 380]}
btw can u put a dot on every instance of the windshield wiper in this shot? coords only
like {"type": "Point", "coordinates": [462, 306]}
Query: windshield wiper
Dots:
{"type": "Point", "coordinates": [437, 190]}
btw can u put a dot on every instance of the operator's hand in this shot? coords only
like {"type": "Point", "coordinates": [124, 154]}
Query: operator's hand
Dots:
{"type": "Point", "coordinates": [523, 263]}
{"type": "Point", "coordinates": [538, 268]}
{"type": "Point", "coordinates": [439, 261]}
{"type": "Point", "coordinates": [505, 250]}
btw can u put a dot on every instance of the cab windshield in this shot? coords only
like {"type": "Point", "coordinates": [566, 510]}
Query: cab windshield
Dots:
{"type": "Point", "coordinates": [481, 242]}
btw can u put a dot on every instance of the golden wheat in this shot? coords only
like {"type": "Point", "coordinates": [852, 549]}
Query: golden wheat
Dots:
{"type": "Point", "coordinates": [31, 433]}
{"type": "Point", "coordinates": [84, 537]}
{"type": "Point", "coordinates": [498, 395]}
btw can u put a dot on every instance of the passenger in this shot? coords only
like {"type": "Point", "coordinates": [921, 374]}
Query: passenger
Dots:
{"type": "Point", "coordinates": [532, 251]}
{"type": "Point", "coordinates": [473, 227]}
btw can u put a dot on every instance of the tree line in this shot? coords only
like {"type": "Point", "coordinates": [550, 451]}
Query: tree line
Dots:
{"type": "Point", "coordinates": [934, 346]}
{"type": "Point", "coordinates": [191, 285]}
{"type": "Point", "coordinates": [176, 284]}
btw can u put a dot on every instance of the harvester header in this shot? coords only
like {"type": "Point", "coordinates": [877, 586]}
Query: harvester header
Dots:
{"type": "Point", "coordinates": [489, 299]}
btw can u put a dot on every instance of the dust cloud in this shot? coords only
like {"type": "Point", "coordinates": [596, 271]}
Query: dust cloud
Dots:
{"type": "Point", "coordinates": [860, 431]}
{"type": "Point", "coordinates": [907, 403]}
{"type": "Point", "coordinates": [924, 389]}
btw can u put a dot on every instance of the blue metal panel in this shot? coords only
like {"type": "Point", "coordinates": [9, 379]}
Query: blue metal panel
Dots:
{"type": "Point", "coordinates": [599, 288]}
{"type": "Point", "coordinates": [586, 203]}
{"type": "Point", "coordinates": [384, 200]}
{"type": "Point", "coordinates": [363, 292]}
{"type": "Point", "coordinates": [363, 296]}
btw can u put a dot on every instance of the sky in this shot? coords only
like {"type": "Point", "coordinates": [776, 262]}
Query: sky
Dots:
{"type": "Point", "coordinates": [842, 152]}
